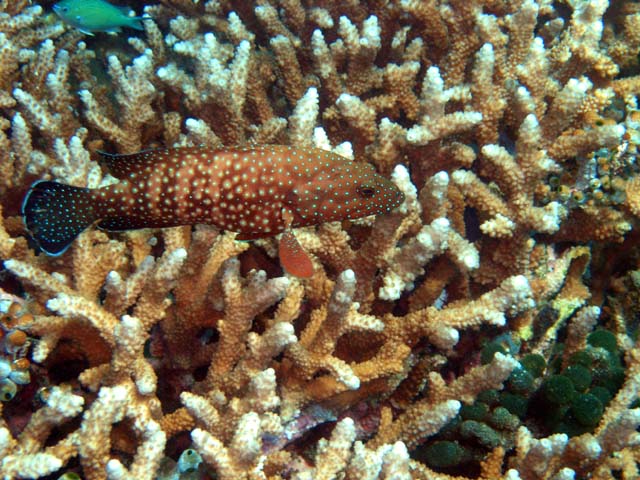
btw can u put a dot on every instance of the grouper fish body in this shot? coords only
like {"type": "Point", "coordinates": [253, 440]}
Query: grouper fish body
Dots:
{"type": "Point", "coordinates": [256, 191]}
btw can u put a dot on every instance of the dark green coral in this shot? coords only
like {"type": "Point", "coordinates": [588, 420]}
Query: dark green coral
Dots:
{"type": "Point", "coordinates": [558, 390]}
{"type": "Point", "coordinates": [444, 454]}
{"type": "Point", "coordinates": [555, 396]}
{"type": "Point", "coordinates": [587, 409]}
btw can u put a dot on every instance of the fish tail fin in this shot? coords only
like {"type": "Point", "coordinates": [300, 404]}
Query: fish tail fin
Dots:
{"type": "Point", "coordinates": [55, 214]}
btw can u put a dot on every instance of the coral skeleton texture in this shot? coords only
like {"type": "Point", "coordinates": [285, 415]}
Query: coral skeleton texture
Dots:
{"type": "Point", "coordinates": [511, 127]}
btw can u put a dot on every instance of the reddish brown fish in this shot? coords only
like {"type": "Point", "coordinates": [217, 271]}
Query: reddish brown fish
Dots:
{"type": "Point", "coordinates": [256, 191]}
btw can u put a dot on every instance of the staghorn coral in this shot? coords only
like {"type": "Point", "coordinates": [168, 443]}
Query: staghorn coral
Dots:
{"type": "Point", "coordinates": [511, 128]}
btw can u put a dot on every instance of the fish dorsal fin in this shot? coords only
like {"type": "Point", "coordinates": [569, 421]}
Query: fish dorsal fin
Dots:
{"type": "Point", "coordinates": [126, 11]}
{"type": "Point", "coordinates": [293, 257]}
{"type": "Point", "coordinates": [123, 165]}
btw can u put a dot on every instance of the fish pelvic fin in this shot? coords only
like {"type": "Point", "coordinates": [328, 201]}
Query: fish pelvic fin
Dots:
{"type": "Point", "coordinates": [55, 214]}
{"type": "Point", "coordinates": [293, 257]}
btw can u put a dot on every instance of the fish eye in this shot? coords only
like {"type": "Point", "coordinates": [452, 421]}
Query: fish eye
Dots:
{"type": "Point", "coordinates": [367, 191]}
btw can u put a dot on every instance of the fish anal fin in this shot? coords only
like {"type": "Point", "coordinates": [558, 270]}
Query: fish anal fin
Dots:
{"type": "Point", "coordinates": [250, 236]}
{"type": "Point", "coordinates": [124, 222]}
{"type": "Point", "coordinates": [293, 257]}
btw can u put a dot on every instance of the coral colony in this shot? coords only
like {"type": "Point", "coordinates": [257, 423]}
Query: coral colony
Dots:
{"type": "Point", "coordinates": [374, 239]}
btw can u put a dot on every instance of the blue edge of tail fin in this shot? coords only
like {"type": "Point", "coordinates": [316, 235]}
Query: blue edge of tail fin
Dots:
{"type": "Point", "coordinates": [55, 214]}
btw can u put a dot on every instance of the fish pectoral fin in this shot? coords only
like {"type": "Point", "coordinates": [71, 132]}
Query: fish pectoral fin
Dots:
{"type": "Point", "coordinates": [293, 258]}
{"type": "Point", "coordinates": [291, 198]}
{"type": "Point", "coordinates": [287, 217]}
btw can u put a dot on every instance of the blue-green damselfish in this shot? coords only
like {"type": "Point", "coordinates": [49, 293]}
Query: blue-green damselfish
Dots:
{"type": "Point", "coordinates": [91, 16]}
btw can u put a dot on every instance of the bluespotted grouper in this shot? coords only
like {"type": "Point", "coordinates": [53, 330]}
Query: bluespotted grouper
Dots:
{"type": "Point", "coordinates": [90, 16]}
{"type": "Point", "coordinates": [255, 191]}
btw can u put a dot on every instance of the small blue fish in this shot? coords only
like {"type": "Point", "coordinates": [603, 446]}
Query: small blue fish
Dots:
{"type": "Point", "coordinates": [90, 16]}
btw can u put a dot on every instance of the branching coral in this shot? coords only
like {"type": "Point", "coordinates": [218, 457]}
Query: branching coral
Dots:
{"type": "Point", "coordinates": [510, 127]}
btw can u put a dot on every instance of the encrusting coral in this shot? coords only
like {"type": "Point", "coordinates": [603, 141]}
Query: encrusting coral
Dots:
{"type": "Point", "coordinates": [507, 278]}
